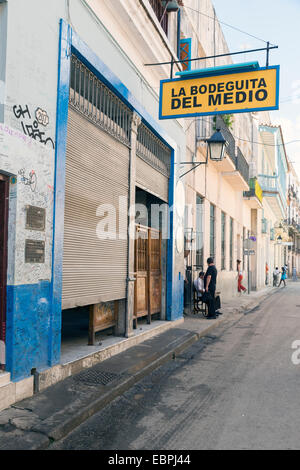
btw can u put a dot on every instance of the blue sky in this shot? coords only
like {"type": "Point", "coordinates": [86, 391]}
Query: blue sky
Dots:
{"type": "Point", "coordinates": [277, 21]}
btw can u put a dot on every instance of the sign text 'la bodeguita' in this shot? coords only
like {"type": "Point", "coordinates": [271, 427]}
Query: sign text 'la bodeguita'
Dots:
{"type": "Point", "coordinates": [225, 93]}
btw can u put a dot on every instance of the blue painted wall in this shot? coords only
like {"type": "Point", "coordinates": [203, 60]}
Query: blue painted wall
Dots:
{"type": "Point", "coordinates": [27, 334]}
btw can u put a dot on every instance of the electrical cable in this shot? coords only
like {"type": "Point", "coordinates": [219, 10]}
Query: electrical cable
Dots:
{"type": "Point", "coordinates": [246, 140]}
{"type": "Point", "coordinates": [229, 25]}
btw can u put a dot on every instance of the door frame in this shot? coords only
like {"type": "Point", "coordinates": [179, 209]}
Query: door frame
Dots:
{"type": "Point", "coordinates": [4, 185]}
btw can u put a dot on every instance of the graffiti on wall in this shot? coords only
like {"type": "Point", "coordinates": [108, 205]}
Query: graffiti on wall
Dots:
{"type": "Point", "coordinates": [31, 180]}
{"type": "Point", "coordinates": [30, 126]}
{"type": "Point", "coordinates": [42, 117]}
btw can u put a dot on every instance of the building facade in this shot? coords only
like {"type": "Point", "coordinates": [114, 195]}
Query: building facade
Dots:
{"type": "Point", "coordinates": [102, 220]}
{"type": "Point", "coordinates": [81, 144]}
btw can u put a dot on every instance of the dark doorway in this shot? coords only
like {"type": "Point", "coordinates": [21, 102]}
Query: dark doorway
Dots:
{"type": "Point", "coordinates": [4, 194]}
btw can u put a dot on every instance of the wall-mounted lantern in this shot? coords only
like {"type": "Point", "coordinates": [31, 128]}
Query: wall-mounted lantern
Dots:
{"type": "Point", "coordinates": [216, 146]}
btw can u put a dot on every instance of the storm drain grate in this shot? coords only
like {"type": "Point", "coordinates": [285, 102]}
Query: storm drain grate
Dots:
{"type": "Point", "coordinates": [95, 377]}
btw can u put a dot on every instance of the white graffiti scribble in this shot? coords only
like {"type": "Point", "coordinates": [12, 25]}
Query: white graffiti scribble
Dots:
{"type": "Point", "coordinates": [42, 117]}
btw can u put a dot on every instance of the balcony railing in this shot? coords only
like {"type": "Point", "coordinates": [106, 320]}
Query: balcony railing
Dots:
{"type": "Point", "coordinates": [269, 183]}
{"type": "Point", "coordinates": [272, 187]}
{"type": "Point", "coordinates": [292, 223]}
{"type": "Point", "coordinates": [159, 11]}
{"type": "Point", "coordinates": [220, 124]}
{"type": "Point", "coordinates": [242, 165]}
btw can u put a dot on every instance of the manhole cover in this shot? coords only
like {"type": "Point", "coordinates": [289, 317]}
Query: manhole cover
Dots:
{"type": "Point", "coordinates": [95, 377]}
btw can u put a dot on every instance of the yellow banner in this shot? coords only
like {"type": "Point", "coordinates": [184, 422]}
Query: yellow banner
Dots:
{"type": "Point", "coordinates": [256, 90]}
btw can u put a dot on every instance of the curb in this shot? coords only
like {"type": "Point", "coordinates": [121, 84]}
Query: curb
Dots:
{"type": "Point", "coordinates": [63, 430]}
{"type": "Point", "coordinates": [60, 431]}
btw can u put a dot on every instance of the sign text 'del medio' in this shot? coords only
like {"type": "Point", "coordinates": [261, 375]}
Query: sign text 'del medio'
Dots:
{"type": "Point", "coordinates": [229, 93]}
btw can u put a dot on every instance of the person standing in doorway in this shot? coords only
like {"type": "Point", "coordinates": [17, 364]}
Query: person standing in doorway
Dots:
{"type": "Point", "coordinates": [210, 281]}
{"type": "Point", "coordinates": [241, 288]}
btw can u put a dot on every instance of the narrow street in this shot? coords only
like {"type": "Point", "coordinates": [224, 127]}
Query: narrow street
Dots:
{"type": "Point", "coordinates": [234, 389]}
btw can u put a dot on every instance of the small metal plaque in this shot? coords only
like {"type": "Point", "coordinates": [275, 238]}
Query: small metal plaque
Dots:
{"type": "Point", "coordinates": [34, 251]}
{"type": "Point", "coordinates": [35, 218]}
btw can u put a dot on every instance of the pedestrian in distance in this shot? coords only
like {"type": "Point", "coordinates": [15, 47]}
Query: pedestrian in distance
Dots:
{"type": "Point", "coordinates": [283, 276]}
{"type": "Point", "coordinates": [276, 273]}
{"type": "Point", "coordinates": [210, 281]}
{"type": "Point", "coordinates": [241, 288]}
{"type": "Point", "coordinates": [199, 288]}
{"type": "Point", "coordinates": [267, 274]}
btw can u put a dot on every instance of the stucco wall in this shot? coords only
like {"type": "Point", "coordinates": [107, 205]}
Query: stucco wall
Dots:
{"type": "Point", "coordinates": [33, 335]}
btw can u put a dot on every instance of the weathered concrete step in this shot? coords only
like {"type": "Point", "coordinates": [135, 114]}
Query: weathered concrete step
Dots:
{"type": "Point", "coordinates": [7, 395]}
{"type": "Point", "coordinates": [4, 378]}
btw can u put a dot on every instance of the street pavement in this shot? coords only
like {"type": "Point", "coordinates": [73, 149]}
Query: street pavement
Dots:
{"type": "Point", "coordinates": [235, 388]}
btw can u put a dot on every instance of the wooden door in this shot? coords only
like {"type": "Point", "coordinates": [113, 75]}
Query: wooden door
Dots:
{"type": "Point", "coordinates": [141, 272]}
{"type": "Point", "coordinates": [154, 271]}
{"type": "Point", "coordinates": [147, 272]}
{"type": "Point", "coordinates": [4, 193]}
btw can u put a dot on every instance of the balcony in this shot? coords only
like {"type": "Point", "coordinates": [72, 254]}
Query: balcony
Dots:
{"type": "Point", "coordinates": [254, 196]}
{"type": "Point", "coordinates": [293, 225]}
{"type": "Point", "coordinates": [234, 168]}
{"type": "Point", "coordinates": [272, 190]}
{"type": "Point", "coordinates": [272, 234]}
{"type": "Point", "coordinates": [239, 178]}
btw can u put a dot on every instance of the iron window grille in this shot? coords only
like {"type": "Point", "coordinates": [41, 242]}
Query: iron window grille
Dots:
{"type": "Point", "coordinates": [223, 240]}
{"type": "Point", "coordinates": [199, 231]}
{"type": "Point", "coordinates": [95, 101]}
{"type": "Point", "coordinates": [159, 11]}
{"type": "Point", "coordinates": [231, 243]}
{"type": "Point", "coordinates": [212, 231]}
{"type": "Point", "coordinates": [153, 151]}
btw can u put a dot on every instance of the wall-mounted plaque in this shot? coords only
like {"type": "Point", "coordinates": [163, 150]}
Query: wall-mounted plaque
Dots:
{"type": "Point", "coordinates": [35, 218]}
{"type": "Point", "coordinates": [34, 251]}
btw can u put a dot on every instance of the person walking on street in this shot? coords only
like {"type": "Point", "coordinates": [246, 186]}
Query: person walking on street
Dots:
{"type": "Point", "coordinates": [241, 288]}
{"type": "Point", "coordinates": [283, 277]}
{"type": "Point", "coordinates": [275, 277]}
{"type": "Point", "coordinates": [210, 281]}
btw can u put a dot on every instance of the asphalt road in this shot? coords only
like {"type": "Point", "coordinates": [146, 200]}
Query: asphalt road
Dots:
{"type": "Point", "coordinates": [234, 389]}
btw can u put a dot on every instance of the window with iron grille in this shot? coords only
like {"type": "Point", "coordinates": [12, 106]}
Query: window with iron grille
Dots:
{"type": "Point", "coordinates": [223, 240]}
{"type": "Point", "coordinates": [199, 231]}
{"type": "Point", "coordinates": [212, 231]}
{"type": "Point", "coordinates": [152, 150]}
{"type": "Point", "coordinates": [231, 243]}
{"type": "Point", "coordinates": [96, 102]}
{"type": "Point", "coordinates": [159, 11]}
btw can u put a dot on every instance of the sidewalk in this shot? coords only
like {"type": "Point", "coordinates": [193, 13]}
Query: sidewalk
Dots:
{"type": "Point", "coordinates": [50, 415]}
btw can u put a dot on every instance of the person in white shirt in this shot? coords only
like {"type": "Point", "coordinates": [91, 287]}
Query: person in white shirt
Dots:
{"type": "Point", "coordinates": [275, 277]}
{"type": "Point", "coordinates": [199, 286]}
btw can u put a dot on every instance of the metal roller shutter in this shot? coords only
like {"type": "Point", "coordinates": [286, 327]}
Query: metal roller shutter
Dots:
{"type": "Point", "coordinates": [149, 179]}
{"type": "Point", "coordinates": [97, 168]}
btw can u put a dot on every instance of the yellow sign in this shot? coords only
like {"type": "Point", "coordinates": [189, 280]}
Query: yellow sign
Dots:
{"type": "Point", "coordinates": [240, 92]}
